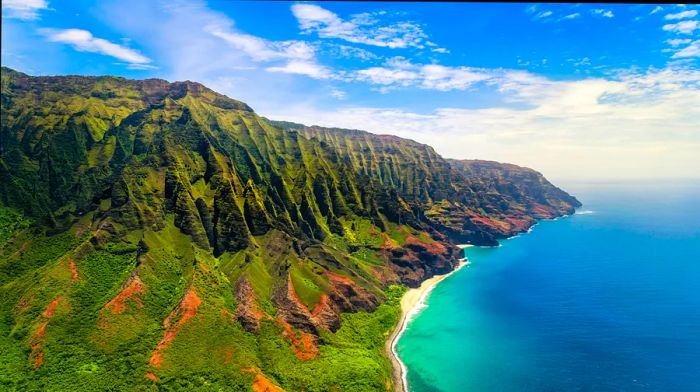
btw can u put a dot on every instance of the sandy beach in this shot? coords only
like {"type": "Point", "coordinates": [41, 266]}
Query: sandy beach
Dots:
{"type": "Point", "coordinates": [410, 304]}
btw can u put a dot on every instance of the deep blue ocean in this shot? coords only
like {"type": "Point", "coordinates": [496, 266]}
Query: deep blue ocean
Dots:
{"type": "Point", "coordinates": [607, 299]}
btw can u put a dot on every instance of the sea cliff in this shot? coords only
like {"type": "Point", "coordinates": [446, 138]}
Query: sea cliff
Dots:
{"type": "Point", "coordinates": [164, 233]}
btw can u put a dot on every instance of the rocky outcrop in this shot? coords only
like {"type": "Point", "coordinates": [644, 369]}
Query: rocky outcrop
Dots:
{"type": "Point", "coordinates": [345, 295]}
{"type": "Point", "coordinates": [247, 311]}
{"type": "Point", "coordinates": [419, 260]}
{"type": "Point", "coordinates": [291, 309]}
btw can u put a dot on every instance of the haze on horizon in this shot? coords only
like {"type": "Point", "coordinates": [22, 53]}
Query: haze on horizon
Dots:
{"type": "Point", "coordinates": [575, 91]}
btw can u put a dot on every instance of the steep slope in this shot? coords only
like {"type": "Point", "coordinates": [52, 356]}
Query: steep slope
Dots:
{"type": "Point", "coordinates": [415, 169]}
{"type": "Point", "coordinates": [159, 232]}
{"type": "Point", "coordinates": [173, 223]}
{"type": "Point", "coordinates": [474, 202]}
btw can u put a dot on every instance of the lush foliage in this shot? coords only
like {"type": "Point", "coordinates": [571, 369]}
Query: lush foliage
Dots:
{"type": "Point", "coordinates": [159, 235]}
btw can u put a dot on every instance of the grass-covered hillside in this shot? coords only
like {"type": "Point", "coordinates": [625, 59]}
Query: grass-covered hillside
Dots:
{"type": "Point", "coordinates": [159, 235]}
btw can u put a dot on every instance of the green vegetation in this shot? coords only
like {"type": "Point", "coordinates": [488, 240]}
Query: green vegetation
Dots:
{"type": "Point", "coordinates": [162, 236]}
{"type": "Point", "coordinates": [470, 201]}
{"type": "Point", "coordinates": [11, 222]}
{"type": "Point", "coordinates": [353, 358]}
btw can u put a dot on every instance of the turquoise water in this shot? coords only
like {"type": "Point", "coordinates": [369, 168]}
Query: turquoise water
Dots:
{"type": "Point", "coordinates": [604, 300]}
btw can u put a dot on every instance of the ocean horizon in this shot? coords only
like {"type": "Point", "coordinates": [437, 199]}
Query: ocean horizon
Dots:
{"type": "Point", "coordinates": [602, 300]}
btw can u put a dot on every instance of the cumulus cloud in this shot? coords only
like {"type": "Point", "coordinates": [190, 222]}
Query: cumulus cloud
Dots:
{"type": "Point", "coordinates": [692, 50]}
{"type": "Point", "coordinates": [84, 41]}
{"type": "Point", "coordinates": [365, 28]}
{"type": "Point", "coordinates": [678, 41]}
{"type": "Point", "coordinates": [24, 9]}
{"type": "Point", "coordinates": [684, 27]}
{"type": "Point", "coordinates": [682, 15]}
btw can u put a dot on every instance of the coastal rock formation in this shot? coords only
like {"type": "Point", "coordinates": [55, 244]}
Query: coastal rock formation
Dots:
{"type": "Point", "coordinates": [163, 233]}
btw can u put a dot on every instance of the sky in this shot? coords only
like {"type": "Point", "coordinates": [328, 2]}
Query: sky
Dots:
{"type": "Point", "coordinates": [575, 91]}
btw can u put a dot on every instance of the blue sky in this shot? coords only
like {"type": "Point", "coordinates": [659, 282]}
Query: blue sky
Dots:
{"type": "Point", "coordinates": [573, 90]}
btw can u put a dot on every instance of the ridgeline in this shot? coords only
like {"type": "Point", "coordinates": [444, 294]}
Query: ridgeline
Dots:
{"type": "Point", "coordinates": [162, 234]}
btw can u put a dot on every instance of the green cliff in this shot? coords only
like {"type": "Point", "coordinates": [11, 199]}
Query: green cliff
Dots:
{"type": "Point", "coordinates": [470, 201]}
{"type": "Point", "coordinates": [162, 235]}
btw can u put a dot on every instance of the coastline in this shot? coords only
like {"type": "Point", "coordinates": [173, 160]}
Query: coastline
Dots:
{"type": "Point", "coordinates": [411, 303]}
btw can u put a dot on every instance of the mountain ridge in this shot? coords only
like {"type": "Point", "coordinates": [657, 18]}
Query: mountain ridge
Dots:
{"type": "Point", "coordinates": [460, 183]}
{"type": "Point", "coordinates": [151, 223]}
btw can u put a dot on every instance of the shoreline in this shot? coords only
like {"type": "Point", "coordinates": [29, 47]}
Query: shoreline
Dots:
{"type": "Point", "coordinates": [411, 303]}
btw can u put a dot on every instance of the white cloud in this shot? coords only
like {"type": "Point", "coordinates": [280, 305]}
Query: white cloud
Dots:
{"type": "Point", "coordinates": [299, 56]}
{"type": "Point", "coordinates": [353, 52]}
{"type": "Point", "coordinates": [140, 66]}
{"type": "Point", "coordinates": [398, 62]}
{"type": "Point", "coordinates": [312, 17]}
{"type": "Point", "coordinates": [84, 41]}
{"type": "Point", "coordinates": [635, 125]}
{"type": "Point", "coordinates": [338, 94]}
{"type": "Point", "coordinates": [387, 76]}
{"type": "Point", "coordinates": [440, 50]}
{"type": "Point", "coordinates": [571, 16]}
{"type": "Point", "coordinates": [583, 62]}
{"type": "Point", "coordinates": [682, 15]}
{"type": "Point", "coordinates": [24, 9]}
{"type": "Point", "coordinates": [603, 12]}
{"type": "Point", "coordinates": [684, 27]}
{"type": "Point", "coordinates": [678, 41]}
{"type": "Point", "coordinates": [438, 77]}
{"type": "Point", "coordinates": [361, 28]}
{"type": "Point", "coordinates": [692, 50]}
{"type": "Point", "coordinates": [302, 67]}
{"type": "Point", "coordinates": [399, 72]}
{"type": "Point", "coordinates": [656, 9]}
{"type": "Point", "coordinates": [260, 49]}
{"type": "Point", "coordinates": [543, 14]}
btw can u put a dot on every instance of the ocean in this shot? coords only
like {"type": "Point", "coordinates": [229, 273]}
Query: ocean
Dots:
{"type": "Point", "coordinates": [607, 299]}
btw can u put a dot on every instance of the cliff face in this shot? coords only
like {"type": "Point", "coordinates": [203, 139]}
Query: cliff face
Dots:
{"type": "Point", "coordinates": [162, 232]}
{"type": "Point", "coordinates": [470, 201]}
